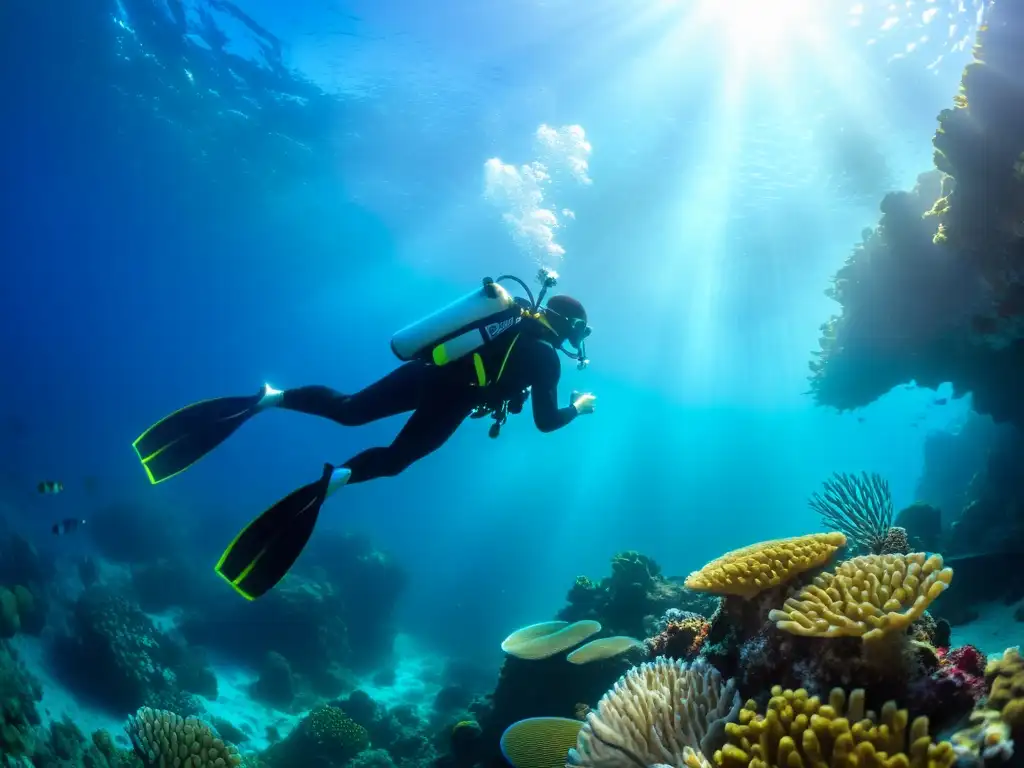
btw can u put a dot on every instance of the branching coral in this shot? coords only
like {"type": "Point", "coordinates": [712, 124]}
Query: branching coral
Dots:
{"type": "Point", "coordinates": [858, 506]}
{"type": "Point", "coordinates": [868, 597]}
{"type": "Point", "coordinates": [751, 570]}
{"type": "Point", "coordinates": [163, 738]}
{"type": "Point", "coordinates": [660, 712]}
{"type": "Point", "coordinates": [798, 730]}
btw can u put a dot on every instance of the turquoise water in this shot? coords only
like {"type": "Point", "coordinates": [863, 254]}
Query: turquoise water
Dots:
{"type": "Point", "coordinates": [205, 196]}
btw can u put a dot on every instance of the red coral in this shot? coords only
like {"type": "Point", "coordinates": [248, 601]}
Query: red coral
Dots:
{"type": "Point", "coordinates": [968, 659]}
{"type": "Point", "coordinates": [680, 639]}
{"type": "Point", "coordinates": [961, 670]}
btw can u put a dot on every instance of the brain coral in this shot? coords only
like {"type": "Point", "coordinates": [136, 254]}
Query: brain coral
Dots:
{"type": "Point", "coordinates": [163, 738]}
{"type": "Point", "coordinates": [867, 597]}
{"type": "Point", "coordinates": [798, 730]}
{"type": "Point", "coordinates": [748, 571]}
{"type": "Point", "coordinates": [659, 712]}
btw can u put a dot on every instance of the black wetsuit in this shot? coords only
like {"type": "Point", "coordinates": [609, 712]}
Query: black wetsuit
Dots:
{"type": "Point", "coordinates": [440, 399]}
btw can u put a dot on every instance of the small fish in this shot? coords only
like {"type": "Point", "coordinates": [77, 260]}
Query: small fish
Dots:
{"type": "Point", "coordinates": [67, 525]}
{"type": "Point", "coordinates": [49, 487]}
{"type": "Point", "coordinates": [941, 400]}
{"type": "Point", "coordinates": [861, 419]}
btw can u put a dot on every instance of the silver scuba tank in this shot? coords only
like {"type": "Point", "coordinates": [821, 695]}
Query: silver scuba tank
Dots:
{"type": "Point", "coordinates": [459, 328]}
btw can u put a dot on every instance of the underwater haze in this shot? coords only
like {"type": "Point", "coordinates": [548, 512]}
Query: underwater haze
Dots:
{"type": "Point", "coordinates": [268, 193]}
{"type": "Point", "coordinates": [203, 196]}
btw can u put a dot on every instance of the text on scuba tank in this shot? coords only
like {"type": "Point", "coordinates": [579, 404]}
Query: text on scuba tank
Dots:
{"type": "Point", "coordinates": [494, 329]}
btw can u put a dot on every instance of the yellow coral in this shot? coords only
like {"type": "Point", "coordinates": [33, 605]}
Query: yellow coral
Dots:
{"type": "Point", "coordinates": [164, 738]}
{"type": "Point", "coordinates": [1005, 676]}
{"type": "Point", "coordinates": [748, 571]}
{"type": "Point", "coordinates": [797, 730]}
{"type": "Point", "coordinates": [867, 597]}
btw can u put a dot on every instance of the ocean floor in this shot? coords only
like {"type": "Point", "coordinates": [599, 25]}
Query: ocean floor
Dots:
{"type": "Point", "coordinates": [57, 702]}
{"type": "Point", "coordinates": [417, 681]}
{"type": "Point", "coordinates": [993, 631]}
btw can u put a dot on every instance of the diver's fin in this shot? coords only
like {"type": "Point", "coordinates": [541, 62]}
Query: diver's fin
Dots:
{"type": "Point", "coordinates": [178, 441]}
{"type": "Point", "coordinates": [266, 549]}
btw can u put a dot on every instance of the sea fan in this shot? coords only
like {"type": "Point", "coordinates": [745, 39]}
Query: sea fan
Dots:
{"type": "Point", "coordinates": [859, 506]}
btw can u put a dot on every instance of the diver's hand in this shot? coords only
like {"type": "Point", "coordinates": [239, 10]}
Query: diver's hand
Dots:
{"type": "Point", "coordinates": [583, 402]}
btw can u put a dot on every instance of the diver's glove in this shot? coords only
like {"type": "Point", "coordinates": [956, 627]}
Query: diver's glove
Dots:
{"type": "Point", "coordinates": [516, 403]}
{"type": "Point", "coordinates": [583, 402]}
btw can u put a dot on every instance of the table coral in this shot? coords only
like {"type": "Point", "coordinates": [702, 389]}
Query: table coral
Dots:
{"type": "Point", "coordinates": [751, 570]}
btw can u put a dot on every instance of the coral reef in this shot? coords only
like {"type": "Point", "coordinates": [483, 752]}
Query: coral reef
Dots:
{"type": "Point", "coordinates": [935, 293]}
{"type": "Point", "coordinates": [797, 730]}
{"type": "Point", "coordinates": [860, 625]}
{"type": "Point", "coordinates": [325, 738]}
{"type": "Point", "coordinates": [19, 692]}
{"type": "Point", "coordinates": [679, 636]}
{"type": "Point", "coordinates": [549, 687]}
{"type": "Point", "coordinates": [1005, 677]}
{"type": "Point", "coordinates": [332, 616]}
{"type": "Point", "coordinates": [276, 684]}
{"type": "Point", "coordinates": [628, 599]}
{"type": "Point", "coordinates": [115, 655]}
{"type": "Point", "coordinates": [997, 724]}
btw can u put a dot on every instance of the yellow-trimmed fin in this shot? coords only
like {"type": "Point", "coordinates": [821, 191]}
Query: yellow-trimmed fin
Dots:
{"type": "Point", "coordinates": [227, 552]}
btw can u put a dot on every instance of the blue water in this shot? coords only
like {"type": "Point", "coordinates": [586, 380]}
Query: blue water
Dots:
{"type": "Point", "coordinates": [194, 206]}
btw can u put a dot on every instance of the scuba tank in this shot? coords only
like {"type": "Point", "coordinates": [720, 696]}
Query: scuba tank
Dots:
{"type": "Point", "coordinates": [460, 328]}
{"type": "Point", "coordinates": [466, 324]}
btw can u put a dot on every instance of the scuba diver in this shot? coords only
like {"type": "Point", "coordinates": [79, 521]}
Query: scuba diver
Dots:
{"type": "Point", "coordinates": [484, 354]}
